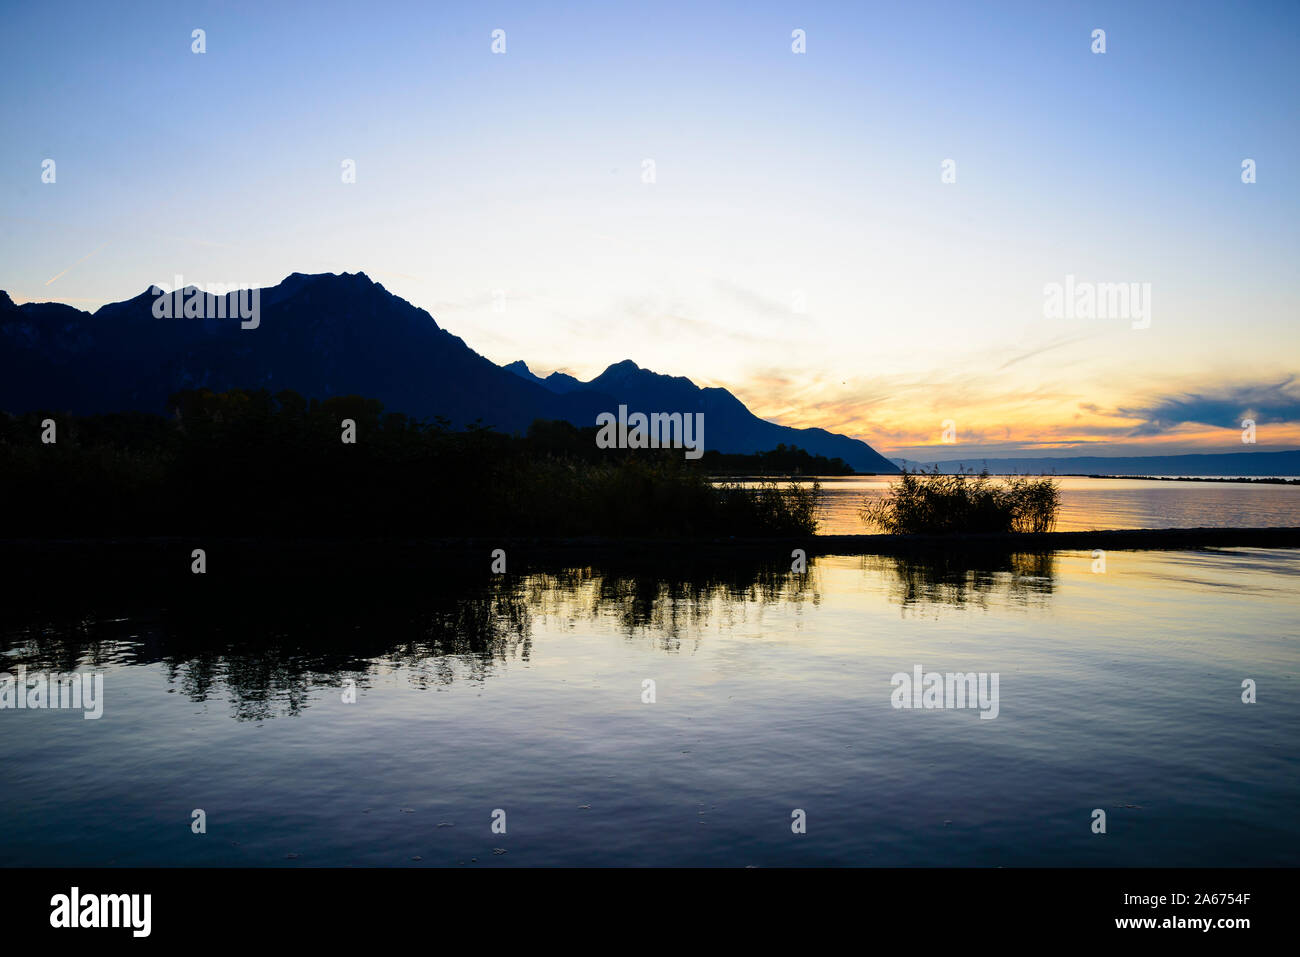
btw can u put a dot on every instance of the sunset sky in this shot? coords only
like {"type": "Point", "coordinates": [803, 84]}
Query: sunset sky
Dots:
{"type": "Point", "coordinates": [797, 244]}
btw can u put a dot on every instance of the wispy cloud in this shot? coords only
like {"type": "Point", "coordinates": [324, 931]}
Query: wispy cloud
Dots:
{"type": "Point", "coordinates": [77, 263]}
{"type": "Point", "coordinates": [1273, 402]}
{"type": "Point", "coordinates": [757, 304]}
{"type": "Point", "coordinates": [1047, 347]}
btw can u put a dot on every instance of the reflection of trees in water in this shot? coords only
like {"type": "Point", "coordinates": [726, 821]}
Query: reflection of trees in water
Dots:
{"type": "Point", "coordinates": [54, 639]}
{"type": "Point", "coordinates": [964, 579]}
{"type": "Point", "coordinates": [268, 650]}
{"type": "Point", "coordinates": [268, 647]}
{"type": "Point", "coordinates": [668, 607]}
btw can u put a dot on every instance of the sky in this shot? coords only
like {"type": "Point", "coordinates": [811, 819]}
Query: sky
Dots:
{"type": "Point", "coordinates": [672, 183]}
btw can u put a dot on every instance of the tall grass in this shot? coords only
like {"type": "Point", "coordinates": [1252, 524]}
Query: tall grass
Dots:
{"type": "Point", "coordinates": [646, 498]}
{"type": "Point", "coordinates": [929, 503]}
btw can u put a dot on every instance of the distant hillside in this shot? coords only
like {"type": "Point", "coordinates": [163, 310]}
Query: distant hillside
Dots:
{"type": "Point", "coordinates": [1254, 464]}
{"type": "Point", "coordinates": [332, 335]}
{"type": "Point", "coordinates": [728, 425]}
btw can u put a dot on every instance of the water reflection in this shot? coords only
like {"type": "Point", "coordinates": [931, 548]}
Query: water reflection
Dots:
{"type": "Point", "coordinates": [267, 649]}
{"type": "Point", "coordinates": [668, 607]}
{"type": "Point", "coordinates": [925, 585]}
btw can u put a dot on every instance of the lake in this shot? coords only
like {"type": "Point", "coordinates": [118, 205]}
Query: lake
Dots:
{"type": "Point", "coordinates": [1095, 503]}
{"type": "Point", "coordinates": [1119, 690]}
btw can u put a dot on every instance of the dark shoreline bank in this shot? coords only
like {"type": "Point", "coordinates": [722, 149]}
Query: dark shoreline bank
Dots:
{"type": "Point", "coordinates": [1228, 479]}
{"type": "Point", "coordinates": [170, 558]}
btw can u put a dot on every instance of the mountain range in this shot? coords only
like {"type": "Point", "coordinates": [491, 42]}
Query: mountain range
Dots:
{"type": "Point", "coordinates": [1226, 464]}
{"type": "Point", "coordinates": [327, 334]}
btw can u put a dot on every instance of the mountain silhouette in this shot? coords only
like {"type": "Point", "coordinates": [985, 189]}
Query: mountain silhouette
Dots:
{"type": "Point", "coordinates": [726, 420]}
{"type": "Point", "coordinates": [325, 335]}
{"type": "Point", "coordinates": [558, 382]}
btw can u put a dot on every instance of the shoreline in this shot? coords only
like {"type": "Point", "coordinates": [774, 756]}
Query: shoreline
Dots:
{"type": "Point", "coordinates": [275, 557]}
{"type": "Point", "coordinates": [1226, 479]}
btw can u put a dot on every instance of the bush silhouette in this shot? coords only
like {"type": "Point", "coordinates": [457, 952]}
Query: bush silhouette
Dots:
{"type": "Point", "coordinates": [935, 503]}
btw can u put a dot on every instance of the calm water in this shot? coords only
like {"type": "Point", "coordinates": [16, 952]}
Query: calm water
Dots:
{"type": "Point", "coordinates": [1088, 503]}
{"type": "Point", "coordinates": [1119, 690]}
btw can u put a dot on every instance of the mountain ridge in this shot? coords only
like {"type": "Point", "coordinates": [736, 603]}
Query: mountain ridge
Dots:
{"type": "Point", "coordinates": [328, 334]}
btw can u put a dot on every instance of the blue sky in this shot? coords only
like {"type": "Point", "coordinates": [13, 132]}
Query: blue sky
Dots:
{"type": "Point", "coordinates": [797, 244]}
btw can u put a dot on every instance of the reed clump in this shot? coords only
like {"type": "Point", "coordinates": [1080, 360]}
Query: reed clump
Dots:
{"type": "Point", "coordinates": [935, 503]}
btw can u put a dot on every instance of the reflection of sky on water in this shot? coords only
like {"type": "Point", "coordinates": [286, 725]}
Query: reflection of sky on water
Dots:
{"type": "Point", "coordinates": [1119, 690]}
